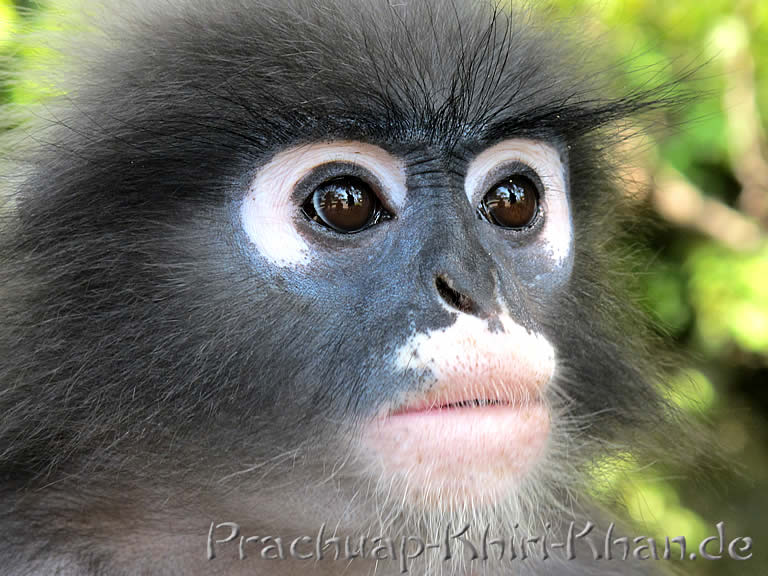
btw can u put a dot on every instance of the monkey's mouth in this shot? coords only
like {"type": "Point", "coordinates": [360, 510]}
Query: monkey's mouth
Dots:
{"type": "Point", "coordinates": [469, 397]}
{"type": "Point", "coordinates": [474, 403]}
{"type": "Point", "coordinates": [471, 404]}
{"type": "Point", "coordinates": [482, 424]}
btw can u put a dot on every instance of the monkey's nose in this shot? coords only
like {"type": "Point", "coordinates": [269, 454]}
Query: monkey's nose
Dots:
{"type": "Point", "coordinates": [454, 298]}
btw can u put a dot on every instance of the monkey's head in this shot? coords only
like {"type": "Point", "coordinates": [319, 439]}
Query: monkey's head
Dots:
{"type": "Point", "coordinates": [352, 250]}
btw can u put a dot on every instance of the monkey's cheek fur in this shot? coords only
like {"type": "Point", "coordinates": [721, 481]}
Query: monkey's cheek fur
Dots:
{"type": "Point", "coordinates": [472, 454]}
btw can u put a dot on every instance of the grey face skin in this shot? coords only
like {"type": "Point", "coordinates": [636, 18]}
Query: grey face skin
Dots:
{"type": "Point", "coordinates": [302, 264]}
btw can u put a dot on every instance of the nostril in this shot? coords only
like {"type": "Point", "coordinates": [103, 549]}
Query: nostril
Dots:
{"type": "Point", "coordinates": [455, 299]}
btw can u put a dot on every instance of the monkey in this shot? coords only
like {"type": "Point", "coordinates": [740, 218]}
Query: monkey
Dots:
{"type": "Point", "coordinates": [278, 271]}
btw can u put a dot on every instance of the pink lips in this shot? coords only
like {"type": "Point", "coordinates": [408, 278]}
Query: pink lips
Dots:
{"type": "Point", "coordinates": [469, 394]}
{"type": "Point", "coordinates": [482, 425]}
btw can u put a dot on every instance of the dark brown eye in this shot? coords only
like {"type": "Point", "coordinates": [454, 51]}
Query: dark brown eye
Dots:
{"type": "Point", "coordinates": [511, 203]}
{"type": "Point", "coordinates": [345, 204]}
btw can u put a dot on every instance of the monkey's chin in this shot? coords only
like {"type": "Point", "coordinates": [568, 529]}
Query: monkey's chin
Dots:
{"type": "Point", "coordinates": [459, 455]}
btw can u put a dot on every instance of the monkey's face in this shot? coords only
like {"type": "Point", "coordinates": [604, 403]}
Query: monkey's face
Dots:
{"type": "Point", "coordinates": [428, 269]}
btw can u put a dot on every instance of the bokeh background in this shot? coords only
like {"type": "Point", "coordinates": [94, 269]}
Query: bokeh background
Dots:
{"type": "Point", "coordinates": [704, 176]}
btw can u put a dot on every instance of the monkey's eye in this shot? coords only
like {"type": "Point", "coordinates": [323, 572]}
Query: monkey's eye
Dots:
{"type": "Point", "coordinates": [345, 204]}
{"type": "Point", "coordinates": [511, 203]}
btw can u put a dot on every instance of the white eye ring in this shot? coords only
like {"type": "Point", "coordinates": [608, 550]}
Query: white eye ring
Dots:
{"type": "Point", "coordinates": [268, 212]}
{"type": "Point", "coordinates": [545, 160]}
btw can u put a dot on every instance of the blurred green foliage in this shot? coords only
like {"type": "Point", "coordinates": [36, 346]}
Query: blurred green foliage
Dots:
{"type": "Point", "coordinates": [708, 289]}
{"type": "Point", "coordinates": [707, 284]}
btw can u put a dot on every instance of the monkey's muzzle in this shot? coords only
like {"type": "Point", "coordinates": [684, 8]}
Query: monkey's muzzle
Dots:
{"type": "Point", "coordinates": [482, 425]}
